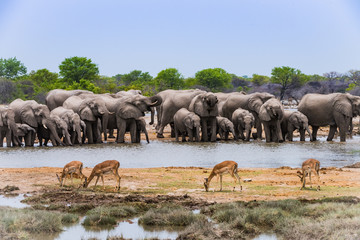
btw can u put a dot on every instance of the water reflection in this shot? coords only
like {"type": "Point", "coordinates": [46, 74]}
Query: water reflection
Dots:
{"type": "Point", "coordinates": [12, 200]}
{"type": "Point", "coordinates": [163, 154]}
{"type": "Point", "coordinates": [127, 229]}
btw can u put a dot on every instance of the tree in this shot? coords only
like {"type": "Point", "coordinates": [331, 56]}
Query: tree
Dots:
{"type": "Point", "coordinates": [259, 80]}
{"type": "Point", "coordinates": [216, 79]}
{"type": "Point", "coordinates": [354, 79]}
{"type": "Point", "coordinates": [76, 68]}
{"type": "Point", "coordinates": [285, 76]}
{"type": "Point", "coordinates": [136, 76]}
{"type": "Point", "coordinates": [169, 79]}
{"type": "Point", "coordinates": [7, 90]}
{"type": "Point", "coordinates": [11, 68]}
{"type": "Point", "coordinates": [44, 79]}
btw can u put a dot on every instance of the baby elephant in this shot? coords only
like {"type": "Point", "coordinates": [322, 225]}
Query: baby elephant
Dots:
{"type": "Point", "coordinates": [243, 121]}
{"type": "Point", "coordinates": [187, 123]}
{"type": "Point", "coordinates": [224, 127]}
{"type": "Point", "coordinates": [23, 130]}
{"type": "Point", "coordinates": [295, 120]}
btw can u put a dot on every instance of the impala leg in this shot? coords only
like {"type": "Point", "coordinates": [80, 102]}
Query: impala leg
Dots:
{"type": "Point", "coordinates": [310, 179]}
{"type": "Point", "coordinates": [97, 179]}
{"type": "Point", "coordinates": [71, 177]}
{"type": "Point", "coordinates": [238, 178]}
{"type": "Point", "coordinates": [220, 183]}
{"type": "Point", "coordinates": [118, 178]}
{"type": "Point", "coordinates": [102, 179]}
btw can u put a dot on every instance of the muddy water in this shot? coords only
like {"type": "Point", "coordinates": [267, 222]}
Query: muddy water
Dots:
{"type": "Point", "coordinates": [163, 154]}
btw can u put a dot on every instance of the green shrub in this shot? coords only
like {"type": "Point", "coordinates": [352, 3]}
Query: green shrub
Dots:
{"type": "Point", "coordinates": [168, 217]}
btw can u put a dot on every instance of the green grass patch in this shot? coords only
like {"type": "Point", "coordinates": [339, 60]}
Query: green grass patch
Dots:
{"type": "Point", "coordinates": [20, 223]}
{"type": "Point", "coordinates": [329, 218]}
{"type": "Point", "coordinates": [168, 216]}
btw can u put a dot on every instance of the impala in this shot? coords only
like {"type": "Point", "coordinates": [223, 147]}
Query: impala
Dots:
{"type": "Point", "coordinates": [70, 169]}
{"type": "Point", "coordinates": [108, 166]}
{"type": "Point", "coordinates": [221, 169]}
{"type": "Point", "coordinates": [309, 166]}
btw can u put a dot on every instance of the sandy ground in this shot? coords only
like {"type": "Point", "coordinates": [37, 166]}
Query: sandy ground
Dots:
{"type": "Point", "coordinates": [263, 184]}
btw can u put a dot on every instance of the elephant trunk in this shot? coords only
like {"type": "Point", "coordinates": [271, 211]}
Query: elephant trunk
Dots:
{"type": "Point", "coordinates": [51, 126]}
{"type": "Point", "coordinates": [197, 135]}
{"type": "Point", "coordinates": [308, 130]}
{"type": "Point", "coordinates": [67, 137]}
{"type": "Point", "coordinates": [247, 133]}
{"type": "Point", "coordinates": [104, 123]}
{"type": "Point", "coordinates": [146, 135]}
{"type": "Point", "coordinates": [233, 132]}
{"type": "Point", "coordinates": [152, 109]}
{"type": "Point", "coordinates": [78, 133]}
{"type": "Point", "coordinates": [154, 101]}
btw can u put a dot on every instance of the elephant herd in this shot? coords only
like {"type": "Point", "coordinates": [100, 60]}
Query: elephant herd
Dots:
{"type": "Point", "coordinates": [191, 112]}
{"type": "Point", "coordinates": [79, 116]}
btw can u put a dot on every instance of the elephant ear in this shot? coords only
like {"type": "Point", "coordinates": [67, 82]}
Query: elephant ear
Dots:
{"type": "Point", "coordinates": [343, 105]}
{"type": "Point", "coordinates": [188, 122]}
{"type": "Point", "coordinates": [87, 114]}
{"type": "Point", "coordinates": [2, 116]}
{"type": "Point", "coordinates": [255, 103]}
{"type": "Point", "coordinates": [127, 111]}
{"type": "Point", "coordinates": [263, 114]}
{"type": "Point", "coordinates": [28, 116]}
{"type": "Point", "coordinates": [295, 120]}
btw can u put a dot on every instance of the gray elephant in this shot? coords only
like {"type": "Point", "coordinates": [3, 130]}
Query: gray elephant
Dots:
{"type": "Point", "coordinates": [187, 123]}
{"type": "Point", "coordinates": [36, 116]}
{"type": "Point", "coordinates": [205, 105]}
{"type": "Point", "coordinates": [8, 127]}
{"type": "Point", "coordinates": [141, 128]}
{"type": "Point", "coordinates": [172, 101]}
{"type": "Point", "coordinates": [222, 97]}
{"type": "Point", "coordinates": [251, 102]}
{"type": "Point", "coordinates": [243, 120]}
{"type": "Point", "coordinates": [335, 109]}
{"type": "Point", "coordinates": [90, 108]}
{"type": "Point", "coordinates": [271, 114]}
{"type": "Point", "coordinates": [55, 98]}
{"type": "Point", "coordinates": [294, 120]}
{"type": "Point", "coordinates": [62, 131]}
{"type": "Point", "coordinates": [128, 112]}
{"type": "Point", "coordinates": [23, 130]}
{"type": "Point", "coordinates": [73, 122]}
{"type": "Point", "coordinates": [224, 127]}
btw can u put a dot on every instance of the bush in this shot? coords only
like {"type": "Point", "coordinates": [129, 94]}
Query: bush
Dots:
{"type": "Point", "coordinates": [168, 217]}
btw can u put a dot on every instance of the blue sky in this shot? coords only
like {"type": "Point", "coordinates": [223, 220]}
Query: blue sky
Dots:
{"type": "Point", "coordinates": [241, 36]}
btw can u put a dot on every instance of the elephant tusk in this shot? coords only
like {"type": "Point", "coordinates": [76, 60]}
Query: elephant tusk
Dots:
{"type": "Point", "coordinates": [45, 126]}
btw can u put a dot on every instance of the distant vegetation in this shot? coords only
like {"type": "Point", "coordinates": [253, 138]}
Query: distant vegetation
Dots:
{"type": "Point", "coordinates": [82, 73]}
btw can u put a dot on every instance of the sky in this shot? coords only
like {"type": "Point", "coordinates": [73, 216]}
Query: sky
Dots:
{"type": "Point", "coordinates": [243, 37]}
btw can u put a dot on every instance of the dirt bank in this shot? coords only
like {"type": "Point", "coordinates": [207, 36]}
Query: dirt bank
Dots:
{"type": "Point", "coordinates": [265, 184]}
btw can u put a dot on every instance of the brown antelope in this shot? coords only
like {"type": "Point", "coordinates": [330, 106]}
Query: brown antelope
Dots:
{"type": "Point", "coordinates": [309, 166]}
{"type": "Point", "coordinates": [221, 169]}
{"type": "Point", "coordinates": [108, 166]}
{"type": "Point", "coordinates": [70, 169]}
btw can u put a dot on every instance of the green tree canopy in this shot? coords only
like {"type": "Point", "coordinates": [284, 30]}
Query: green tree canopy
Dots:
{"type": "Point", "coordinates": [11, 68]}
{"type": "Point", "coordinates": [216, 79]}
{"type": "Point", "coordinates": [169, 78]}
{"type": "Point", "coordinates": [136, 76]}
{"type": "Point", "coordinates": [285, 76]}
{"type": "Point", "coordinates": [259, 80]}
{"type": "Point", "coordinates": [44, 79]}
{"type": "Point", "coordinates": [76, 68]}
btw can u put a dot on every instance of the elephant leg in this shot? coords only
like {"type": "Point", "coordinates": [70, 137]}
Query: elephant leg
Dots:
{"type": "Point", "coordinates": [204, 130]}
{"type": "Point", "coordinates": [121, 125]}
{"type": "Point", "coordinates": [1, 140]}
{"type": "Point", "coordinates": [258, 127]}
{"type": "Point", "coordinates": [97, 133]}
{"type": "Point", "coordinates": [172, 130]}
{"type": "Point", "coordinates": [267, 132]}
{"type": "Point", "coordinates": [176, 133]}
{"type": "Point", "coordinates": [191, 133]}
{"type": "Point", "coordinates": [213, 129]}
{"type": "Point", "coordinates": [111, 133]}
{"type": "Point", "coordinates": [89, 132]}
{"type": "Point", "coordinates": [278, 132]}
{"type": "Point", "coordinates": [236, 133]}
{"type": "Point", "coordinates": [8, 139]}
{"type": "Point", "coordinates": [302, 134]}
{"type": "Point", "coordinates": [226, 135]}
{"type": "Point", "coordinates": [314, 132]}
{"type": "Point", "coordinates": [28, 138]}
{"type": "Point", "coordinates": [331, 133]}
{"type": "Point", "coordinates": [133, 131]}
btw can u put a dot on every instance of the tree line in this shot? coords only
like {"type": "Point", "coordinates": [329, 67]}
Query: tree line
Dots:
{"type": "Point", "coordinates": [82, 73]}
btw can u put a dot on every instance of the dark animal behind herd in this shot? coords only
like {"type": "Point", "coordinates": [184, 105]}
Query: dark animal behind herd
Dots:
{"type": "Point", "coordinates": [77, 116]}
